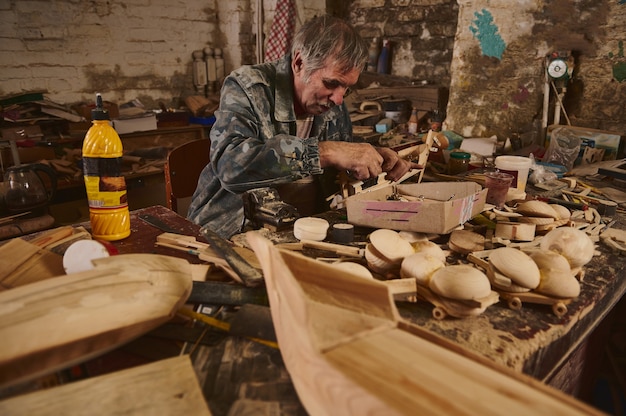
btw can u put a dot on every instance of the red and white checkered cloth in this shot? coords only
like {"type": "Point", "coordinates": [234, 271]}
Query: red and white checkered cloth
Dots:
{"type": "Point", "coordinates": [282, 31]}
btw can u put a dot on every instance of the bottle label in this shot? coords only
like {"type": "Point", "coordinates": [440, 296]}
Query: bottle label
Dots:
{"type": "Point", "coordinates": [104, 182]}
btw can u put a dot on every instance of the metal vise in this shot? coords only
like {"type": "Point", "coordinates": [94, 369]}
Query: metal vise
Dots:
{"type": "Point", "coordinates": [263, 207]}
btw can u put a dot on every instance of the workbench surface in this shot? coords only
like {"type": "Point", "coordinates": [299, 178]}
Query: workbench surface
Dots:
{"type": "Point", "coordinates": [238, 375]}
{"type": "Point", "coordinates": [532, 340]}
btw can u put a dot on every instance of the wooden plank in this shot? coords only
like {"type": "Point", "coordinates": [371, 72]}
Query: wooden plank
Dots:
{"type": "Point", "coordinates": [50, 237]}
{"type": "Point", "coordinates": [55, 323]}
{"type": "Point", "coordinates": [363, 359]}
{"type": "Point", "coordinates": [23, 226]}
{"type": "Point", "coordinates": [22, 263]}
{"type": "Point", "coordinates": [169, 137]}
{"type": "Point", "coordinates": [166, 387]}
{"type": "Point", "coordinates": [426, 98]}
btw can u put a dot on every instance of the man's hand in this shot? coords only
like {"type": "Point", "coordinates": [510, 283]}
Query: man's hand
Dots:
{"type": "Point", "coordinates": [394, 165]}
{"type": "Point", "coordinates": [361, 159]}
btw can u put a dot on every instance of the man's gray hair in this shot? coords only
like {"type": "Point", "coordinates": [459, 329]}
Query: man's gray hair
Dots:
{"type": "Point", "coordinates": [325, 37]}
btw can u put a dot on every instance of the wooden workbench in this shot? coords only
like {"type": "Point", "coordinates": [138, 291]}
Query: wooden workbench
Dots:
{"type": "Point", "coordinates": [241, 376]}
{"type": "Point", "coordinates": [561, 351]}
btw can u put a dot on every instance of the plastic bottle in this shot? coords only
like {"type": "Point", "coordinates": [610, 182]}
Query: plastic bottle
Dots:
{"type": "Point", "coordinates": [383, 58]}
{"type": "Point", "coordinates": [412, 124]}
{"type": "Point", "coordinates": [435, 120]}
{"type": "Point", "coordinates": [104, 183]}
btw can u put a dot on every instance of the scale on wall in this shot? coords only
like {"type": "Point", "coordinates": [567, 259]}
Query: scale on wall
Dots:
{"type": "Point", "coordinates": [557, 66]}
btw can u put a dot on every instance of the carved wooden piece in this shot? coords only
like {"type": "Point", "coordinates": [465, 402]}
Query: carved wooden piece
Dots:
{"type": "Point", "coordinates": [515, 231]}
{"type": "Point", "coordinates": [465, 241]}
{"type": "Point", "coordinates": [514, 300]}
{"type": "Point", "coordinates": [165, 387]}
{"type": "Point", "coordinates": [348, 351]}
{"type": "Point", "coordinates": [615, 239]}
{"type": "Point", "coordinates": [57, 322]}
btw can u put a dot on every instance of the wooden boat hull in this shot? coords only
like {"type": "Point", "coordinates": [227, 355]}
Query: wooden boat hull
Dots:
{"type": "Point", "coordinates": [349, 352]}
{"type": "Point", "coordinates": [57, 322]}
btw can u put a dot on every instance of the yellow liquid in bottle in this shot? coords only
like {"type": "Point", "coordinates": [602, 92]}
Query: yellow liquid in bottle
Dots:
{"type": "Point", "coordinates": [104, 182]}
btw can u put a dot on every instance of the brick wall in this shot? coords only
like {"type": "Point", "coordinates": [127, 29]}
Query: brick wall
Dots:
{"type": "Point", "coordinates": [124, 50]}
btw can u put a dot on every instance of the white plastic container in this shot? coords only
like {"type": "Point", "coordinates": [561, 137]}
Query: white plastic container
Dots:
{"type": "Point", "coordinates": [518, 166]}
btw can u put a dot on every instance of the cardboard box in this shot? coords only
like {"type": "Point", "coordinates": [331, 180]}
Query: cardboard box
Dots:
{"type": "Point", "coordinates": [432, 211]}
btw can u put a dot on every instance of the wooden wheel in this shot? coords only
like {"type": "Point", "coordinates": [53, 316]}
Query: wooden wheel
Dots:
{"type": "Point", "coordinates": [559, 309]}
{"type": "Point", "coordinates": [439, 313]}
{"type": "Point", "coordinates": [514, 303]}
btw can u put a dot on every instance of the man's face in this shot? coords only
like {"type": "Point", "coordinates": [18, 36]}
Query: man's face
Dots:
{"type": "Point", "coordinates": [325, 88]}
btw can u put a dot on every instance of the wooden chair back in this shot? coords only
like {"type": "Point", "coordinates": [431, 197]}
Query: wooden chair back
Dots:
{"type": "Point", "coordinates": [182, 170]}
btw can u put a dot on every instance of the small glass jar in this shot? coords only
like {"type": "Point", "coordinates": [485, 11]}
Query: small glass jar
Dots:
{"type": "Point", "coordinates": [458, 162]}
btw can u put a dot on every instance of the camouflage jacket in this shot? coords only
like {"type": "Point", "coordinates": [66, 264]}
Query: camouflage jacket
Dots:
{"type": "Point", "coordinates": [253, 143]}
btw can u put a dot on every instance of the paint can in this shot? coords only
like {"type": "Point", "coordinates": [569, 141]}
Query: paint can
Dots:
{"type": "Point", "coordinates": [398, 110]}
{"type": "Point", "coordinates": [518, 166]}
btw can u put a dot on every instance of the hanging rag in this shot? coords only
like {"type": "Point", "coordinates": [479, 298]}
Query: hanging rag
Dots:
{"type": "Point", "coordinates": [282, 31]}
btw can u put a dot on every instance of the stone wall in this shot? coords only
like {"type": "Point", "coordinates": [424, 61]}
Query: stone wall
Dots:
{"type": "Point", "coordinates": [492, 56]}
{"type": "Point", "coordinates": [421, 34]}
{"type": "Point", "coordinates": [499, 62]}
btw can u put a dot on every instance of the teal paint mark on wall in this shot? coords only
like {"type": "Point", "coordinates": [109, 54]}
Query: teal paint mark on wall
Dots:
{"type": "Point", "coordinates": [486, 32]}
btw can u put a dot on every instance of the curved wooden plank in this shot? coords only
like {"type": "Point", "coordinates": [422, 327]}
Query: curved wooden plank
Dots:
{"type": "Point", "coordinates": [348, 351]}
{"type": "Point", "coordinates": [322, 389]}
{"type": "Point", "coordinates": [63, 320]}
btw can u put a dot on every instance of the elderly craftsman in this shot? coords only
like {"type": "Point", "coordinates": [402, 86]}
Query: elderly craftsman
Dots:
{"type": "Point", "coordinates": [286, 121]}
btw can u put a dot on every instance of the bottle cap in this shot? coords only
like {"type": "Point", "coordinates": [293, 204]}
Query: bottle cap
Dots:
{"type": "Point", "coordinates": [99, 113]}
{"type": "Point", "coordinates": [460, 155]}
